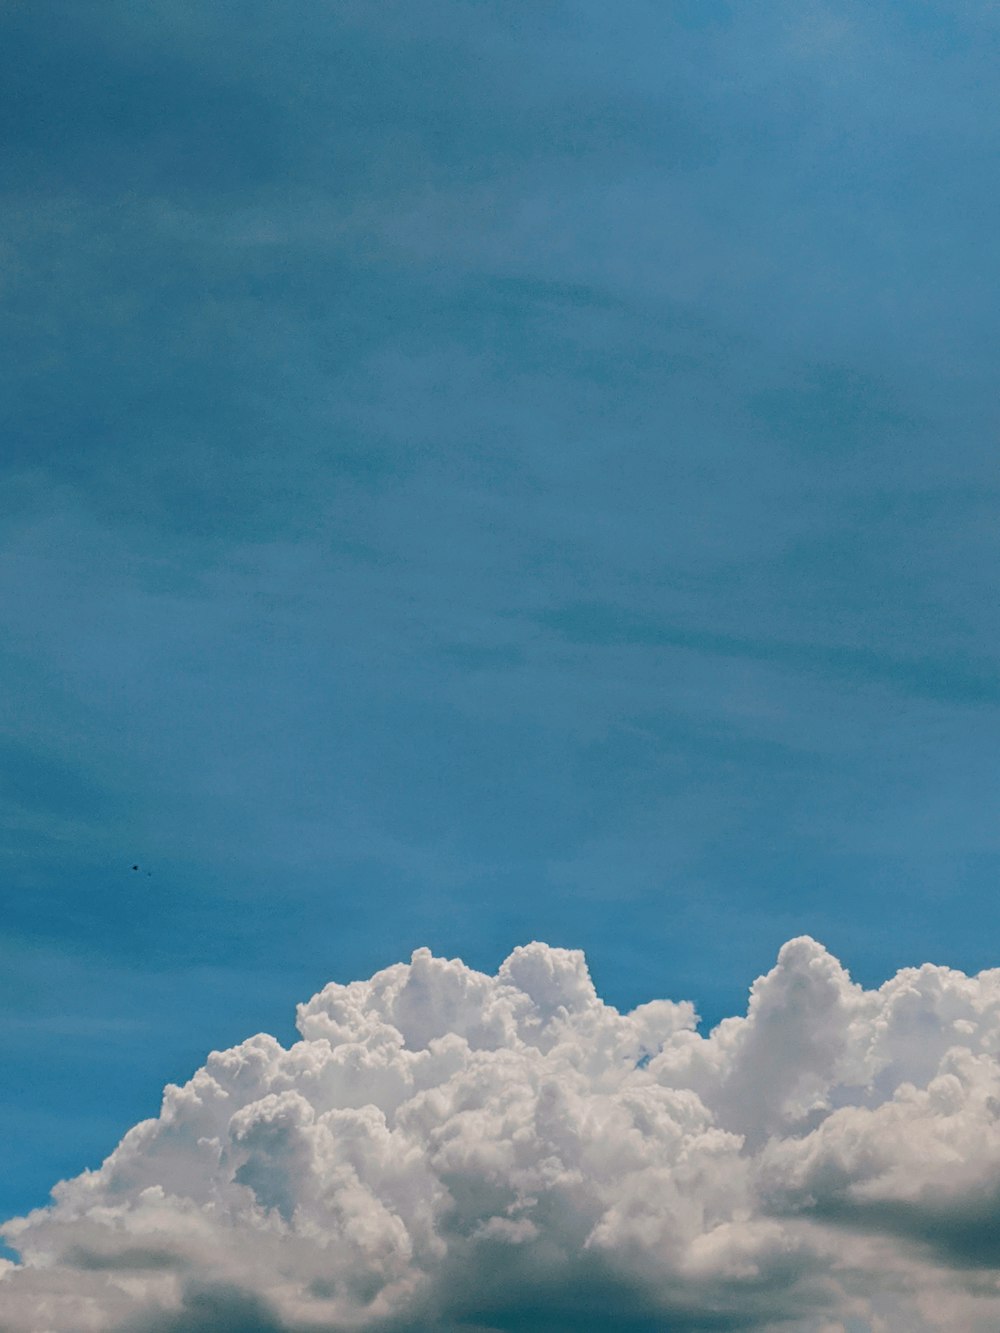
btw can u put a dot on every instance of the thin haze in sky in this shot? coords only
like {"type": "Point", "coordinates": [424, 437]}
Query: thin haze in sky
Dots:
{"type": "Point", "coordinates": [478, 472]}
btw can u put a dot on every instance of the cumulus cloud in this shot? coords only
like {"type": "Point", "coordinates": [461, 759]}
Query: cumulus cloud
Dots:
{"type": "Point", "coordinates": [445, 1149]}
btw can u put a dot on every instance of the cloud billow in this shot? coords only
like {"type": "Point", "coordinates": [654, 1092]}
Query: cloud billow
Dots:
{"type": "Point", "coordinates": [446, 1149]}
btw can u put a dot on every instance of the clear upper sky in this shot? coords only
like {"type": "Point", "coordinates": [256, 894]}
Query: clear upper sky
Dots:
{"type": "Point", "coordinates": [475, 472]}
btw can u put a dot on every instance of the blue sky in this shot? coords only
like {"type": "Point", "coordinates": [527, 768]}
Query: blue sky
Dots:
{"type": "Point", "coordinates": [478, 472]}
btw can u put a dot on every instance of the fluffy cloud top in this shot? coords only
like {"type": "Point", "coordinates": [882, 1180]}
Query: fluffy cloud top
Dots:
{"type": "Point", "coordinates": [445, 1149]}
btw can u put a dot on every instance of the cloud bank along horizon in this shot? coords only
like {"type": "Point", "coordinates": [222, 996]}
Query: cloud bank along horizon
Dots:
{"type": "Point", "coordinates": [448, 1149]}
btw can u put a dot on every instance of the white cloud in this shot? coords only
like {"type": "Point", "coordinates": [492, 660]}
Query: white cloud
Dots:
{"type": "Point", "coordinates": [445, 1149]}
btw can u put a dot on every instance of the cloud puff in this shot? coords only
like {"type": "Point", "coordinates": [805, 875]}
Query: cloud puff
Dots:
{"type": "Point", "coordinates": [445, 1149]}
